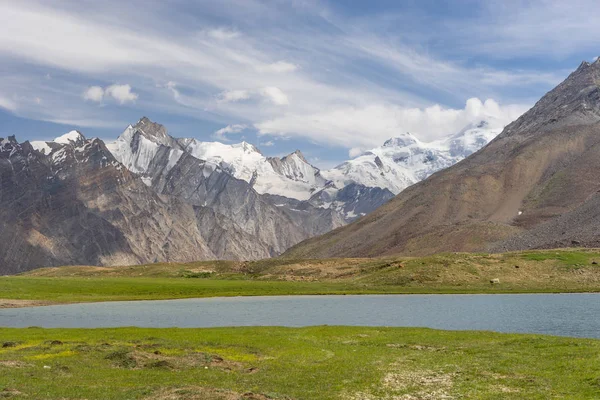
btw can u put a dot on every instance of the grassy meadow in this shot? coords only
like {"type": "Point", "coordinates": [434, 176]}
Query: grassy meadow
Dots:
{"type": "Point", "coordinates": [521, 272]}
{"type": "Point", "coordinates": [347, 363]}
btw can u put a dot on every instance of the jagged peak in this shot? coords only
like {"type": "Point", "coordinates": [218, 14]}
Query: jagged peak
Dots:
{"type": "Point", "coordinates": [298, 154]}
{"type": "Point", "coordinates": [582, 66]}
{"type": "Point", "coordinates": [247, 147]}
{"type": "Point", "coordinates": [575, 101]}
{"type": "Point", "coordinates": [8, 140]}
{"type": "Point", "coordinates": [152, 131]}
{"type": "Point", "coordinates": [144, 120]}
{"type": "Point", "coordinates": [72, 137]}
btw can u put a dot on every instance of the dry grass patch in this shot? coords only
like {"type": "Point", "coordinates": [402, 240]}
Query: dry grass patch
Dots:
{"type": "Point", "coordinates": [201, 393]}
{"type": "Point", "coordinates": [14, 364]}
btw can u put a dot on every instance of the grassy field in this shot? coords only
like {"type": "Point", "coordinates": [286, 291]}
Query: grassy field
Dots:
{"type": "Point", "coordinates": [522, 272]}
{"type": "Point", "coordinates": [347, 363]}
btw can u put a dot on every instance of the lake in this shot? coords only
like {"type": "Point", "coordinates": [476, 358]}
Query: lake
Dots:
{"type": "Point", "coordinates": [576, 315]}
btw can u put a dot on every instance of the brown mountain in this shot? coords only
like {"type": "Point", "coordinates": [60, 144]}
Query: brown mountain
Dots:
{"type": "Point", "coordinates": [531, 187]}
{"type": "Point", "coordinates": [80, 206]}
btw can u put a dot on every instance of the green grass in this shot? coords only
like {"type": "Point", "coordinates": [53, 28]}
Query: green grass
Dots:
{"type": "Point", "coordinates": [79, 289]}
{"type": "Point", "coordinates": [284, 363]}
{"type": "Point", "coordinates": [552, 271]}
{"type": "Point", "coordinates": [567, 258]}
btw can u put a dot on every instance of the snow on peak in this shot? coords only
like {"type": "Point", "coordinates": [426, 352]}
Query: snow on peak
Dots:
{"type": "Point", "coordinates": [73, 137]}
{"type": "Point", "coordinates": [246, 147]}
{"type": "Point", "coordinates": [153, 131]}
{"type": "Point", "coordinates": [404, 160]}
{"type": "Point", "coordinates": [403, 140]}
{"type": "Point", "coordinates": [245, 161]}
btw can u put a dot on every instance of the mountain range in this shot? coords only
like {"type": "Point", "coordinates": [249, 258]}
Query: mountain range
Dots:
{"type": "Point", "coordinates": [535, 185]}
{"type": "Point", "coordinates": [150, 197]}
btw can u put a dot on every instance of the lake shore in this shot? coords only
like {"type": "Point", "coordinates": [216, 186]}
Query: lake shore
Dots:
{"type": "Point", "coordinates": [9, 303]}
{"type": "Point", "coordinates": [548, 271]}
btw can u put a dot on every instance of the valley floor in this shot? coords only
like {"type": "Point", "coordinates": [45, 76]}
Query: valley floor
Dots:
{"type": "Point", "coordinates": [549, 271]}
{"type": "Point", "coordinates": [346, 363]}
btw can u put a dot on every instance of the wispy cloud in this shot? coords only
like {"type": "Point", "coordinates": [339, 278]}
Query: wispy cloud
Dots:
{"type": "Point", "coordinates": [276, 95]}
{"type": "Point", "coordinates": [233, 96]}
{"type": "Point", "coordinates": [229, 129]}
{"type": "Point", "coordinates": [7, 104]}
{"type": "Point", "coordinates": [298, 69]}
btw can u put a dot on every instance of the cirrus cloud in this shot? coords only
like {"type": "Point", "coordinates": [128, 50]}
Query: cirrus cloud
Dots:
{"type": "Point", "coordinates": [232, 96]}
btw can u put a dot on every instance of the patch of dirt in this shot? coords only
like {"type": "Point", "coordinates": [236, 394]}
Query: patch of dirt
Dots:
{"type": "Point", "coordinates": [406, 379]}
{"type": "Point", "coordinates": [7, 303]}
{"type": "Point", "coordinates": [136, 359]}
{"type": "Point", "coordinates": [8, 393]}
{"type": "Point", "coordinates": [13, 364]}
{"type": "Point", "coordinates": [505, 389]}
{"type": "Point", "coordinates": [201, 393]}
{"type": "Point", "coordinates": [415, 347]}
{"type": "Point", "coordinates": [422, 385]}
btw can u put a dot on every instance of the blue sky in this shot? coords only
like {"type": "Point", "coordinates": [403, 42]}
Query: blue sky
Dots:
{"type": "Point", "coordinates": [327, 77]}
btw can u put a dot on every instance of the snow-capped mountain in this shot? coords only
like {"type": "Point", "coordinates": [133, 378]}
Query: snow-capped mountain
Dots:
{"type": "Point", "coordinates": [405, 160]}
{"type": "Point", "coordinates": [73, 137]}
{"type": "Point", "coordinates": [352, 189]}
{"type": "Point", "coordinates": [291, 176]}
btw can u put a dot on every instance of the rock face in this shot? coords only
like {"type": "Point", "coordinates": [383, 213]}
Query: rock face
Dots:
{"type": "Point", "coordinates": [78, 205]}
{"type": "Point", "coordinates": [530, 187]}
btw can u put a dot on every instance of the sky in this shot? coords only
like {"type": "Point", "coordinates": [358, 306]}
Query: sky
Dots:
{"type": "Point", "coordinates": [331, 78]}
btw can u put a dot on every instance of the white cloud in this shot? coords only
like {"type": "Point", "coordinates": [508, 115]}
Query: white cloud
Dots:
{"type": "Point", "coordinates": [233, 96]}
{"type": "Point", "coordinates": [364, 127]}
{"type": "Point", "coordinates": [279, 67]}
{"type": "Point", "coordinates": [229, 129]}
{"type": "Point", "coordinates": [222, 34]}
{"type": "Point", "coordinates": [7, 104]}
{"type": "Point", "coordinates": [172, 86]}
{"type": "Point", "coordinates": [121, 93]}
{"type": "Point", "coordinates": [355, 152]}
{"type": "Point", "coordinates": [275, 95]}
{"type": "Point", "coordinates": [268, 144]}
{"type": "Point", "coordinates": [94, 93]}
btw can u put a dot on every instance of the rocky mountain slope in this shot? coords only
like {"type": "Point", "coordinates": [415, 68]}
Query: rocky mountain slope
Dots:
{"type": "Point", "coordinates": [172, 167]}
{"type": "Point", "coordinates": [78, 205]}
{"type": "Point", "coordinates": [540, 175]}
